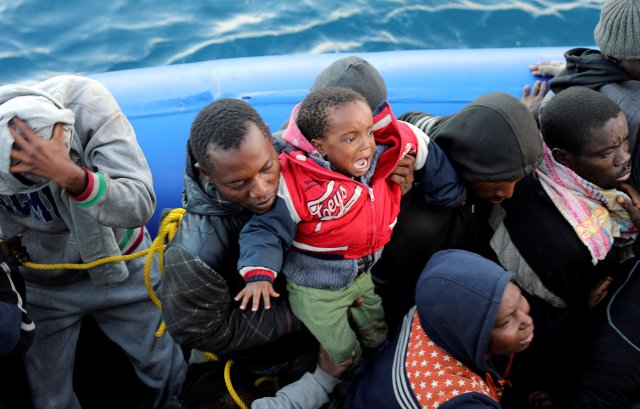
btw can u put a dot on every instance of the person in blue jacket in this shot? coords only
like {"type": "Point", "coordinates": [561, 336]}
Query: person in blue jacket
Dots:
{"type": "Point", "coordinates": [467, 310]}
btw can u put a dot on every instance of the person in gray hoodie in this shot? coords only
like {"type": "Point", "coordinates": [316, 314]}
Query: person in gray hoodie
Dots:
{"type": "Point", "coordinates": [75, 184]}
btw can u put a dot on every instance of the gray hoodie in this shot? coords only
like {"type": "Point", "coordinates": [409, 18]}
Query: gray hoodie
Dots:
{"type": "Point", "coordinates": [119, 200]}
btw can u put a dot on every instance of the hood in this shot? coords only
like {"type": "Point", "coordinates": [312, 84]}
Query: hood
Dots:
{"type": "Point", "coordinates": [587, 68]}
{"type": "Point", "coordinates": [457, 297]}
{"type": "Point", "coordinates": [356, 74]}
{"type": "Point", "coordinates": [294, 137]}
{"type": "Point", "coordinates": [494, 138]}
{"type": "Point", "coordinates": [201, 197]}
{"type": "Point", "coordinates": [41, 112]}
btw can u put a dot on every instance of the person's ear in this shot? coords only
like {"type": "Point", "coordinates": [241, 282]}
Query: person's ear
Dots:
{"type": "Point", "coordinates": [202, 172]}
{"type": "Point", "coordinates": [563, 157]}
{"type": "Point", "coordinates": [317, 143]}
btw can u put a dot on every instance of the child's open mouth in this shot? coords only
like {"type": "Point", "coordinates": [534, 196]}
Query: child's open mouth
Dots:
{"type": "Point", "coordinates": [361, 164]}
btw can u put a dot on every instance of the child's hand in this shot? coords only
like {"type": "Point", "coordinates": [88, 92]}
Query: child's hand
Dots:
{"type": "Point", "coordinates": [255, 290]}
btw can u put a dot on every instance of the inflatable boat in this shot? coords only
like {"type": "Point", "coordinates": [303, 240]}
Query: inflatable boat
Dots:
{"type": "Point", "coordinates": [161, 102]}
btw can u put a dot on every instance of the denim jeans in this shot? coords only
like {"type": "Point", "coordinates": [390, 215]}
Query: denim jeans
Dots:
{"type": "Point", "coordinates": [123, 311]}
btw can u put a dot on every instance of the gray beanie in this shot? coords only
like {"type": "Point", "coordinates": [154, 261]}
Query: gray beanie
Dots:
{"type": "Point", "coordinates": [618, 31]}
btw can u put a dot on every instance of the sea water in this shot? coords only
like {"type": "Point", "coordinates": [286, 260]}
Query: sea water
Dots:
{"type": "Point", "coordinates": [44, 38]}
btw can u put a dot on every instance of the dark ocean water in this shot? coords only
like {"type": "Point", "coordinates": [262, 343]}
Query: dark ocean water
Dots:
{"type": "Point", "coordinates": [43, 38]}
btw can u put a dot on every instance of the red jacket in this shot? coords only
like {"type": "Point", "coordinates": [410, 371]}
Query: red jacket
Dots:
{"type": "Point", "coordinates": [329, 215]}
{"type": "Point", "coordinates": [336, 214]}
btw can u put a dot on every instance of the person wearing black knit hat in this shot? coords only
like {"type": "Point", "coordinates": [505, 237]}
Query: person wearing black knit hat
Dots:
{"type": "Point", "coordinates": [492, 143]}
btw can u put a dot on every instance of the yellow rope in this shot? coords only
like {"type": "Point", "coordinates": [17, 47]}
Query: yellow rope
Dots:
{"type": "Point", "coordinates": [168, 228]}
{"type": "Point", "coordinates": [264, 379]}
{"type": "Point", "coordinates": [232, 392]}
{"type": "Point", "coordinates": [84, 266]}
{"type": "Point", "coordinates": [166, 232]}
{"type": "Point", "coordinates": [210, 356]}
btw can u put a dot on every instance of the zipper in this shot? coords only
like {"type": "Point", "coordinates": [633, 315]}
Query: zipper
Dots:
{"type": "Point", "coordinates": [372, 231]}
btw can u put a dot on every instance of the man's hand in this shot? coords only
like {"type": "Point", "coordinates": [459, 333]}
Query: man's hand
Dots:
{"type": "Point", "coordinates": [403, 173]}
{"type": "Point", "coordinates": [356, 304]}
{"type": "Point", "coordinates": [335, 369]}
{"type": "Point", "coordinates": [631, 206]}
{"type": "Point", "coordinates": [547, 68]}
{"type": "Point", "coordinates": [532, 97]}
{"type": "Point", "coordinates": [256, 290]}
{"type": "Point", "coordinates": [47, 159]}
{"type": "Point", "coordinates": [599, 292]}
{"type": "Point", "coordinates": [540, 400]}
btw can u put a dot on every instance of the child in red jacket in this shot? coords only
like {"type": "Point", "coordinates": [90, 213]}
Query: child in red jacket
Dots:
{"type": "Point", "coordinates": [336, 210]}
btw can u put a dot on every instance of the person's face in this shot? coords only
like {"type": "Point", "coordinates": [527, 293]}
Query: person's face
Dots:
{"type": "Point", "coordinates": [631, 66]}
{"type": "Point", "coordinates": [495, 192]}
{"type": "Point", "coordinates": [513, 328]}
{"type": "Point", "coordinates": [605, 159]}
{"type": "Point", "coordinates": [348, 143]}
{"type": "Point", "coordinates": [247, 176]}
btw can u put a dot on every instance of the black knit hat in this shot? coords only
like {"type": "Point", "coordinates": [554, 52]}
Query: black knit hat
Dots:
{"type": "Point", "coordinates": [618, 31]}
{"type": "Point", "coordinates": [356, 74]}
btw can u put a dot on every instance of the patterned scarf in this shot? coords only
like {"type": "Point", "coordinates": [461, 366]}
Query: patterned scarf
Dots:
{"type": "Point", "coordinates": [596, 216]}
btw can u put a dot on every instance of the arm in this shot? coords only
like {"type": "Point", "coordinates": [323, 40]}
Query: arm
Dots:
{"type": "Point", "coordinates": [263, 242]}
{"type": "Point", "coordinates": [435, 175]}
{"type": "Point", "coordinates": [113, 183]}
{"type": "Point", "coordinates": [312, 390]}
{"type": "Point", "coordinates": [309, 392]}
{"type": "Point", "coordinates": [199, 312]}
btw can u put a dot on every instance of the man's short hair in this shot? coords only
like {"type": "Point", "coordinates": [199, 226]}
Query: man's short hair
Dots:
{"type": "Point", "coordinates": [222, 125]}
{"type": "Point", "coordinates": [313, 115]}
{"type": "Point", "coordinates": [570, 116]}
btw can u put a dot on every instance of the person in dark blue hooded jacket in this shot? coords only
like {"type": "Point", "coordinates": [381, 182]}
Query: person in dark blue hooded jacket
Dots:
{"type": "Point", "coordinates": [467, 309]}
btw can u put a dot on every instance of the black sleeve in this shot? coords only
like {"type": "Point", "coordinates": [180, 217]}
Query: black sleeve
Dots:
{"type": "Point", "coordinates": [16, 328]}
{"type": "Point", "coordinates": [200, 313]}
{"type": "Point", "coordinates": [612, 372]}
